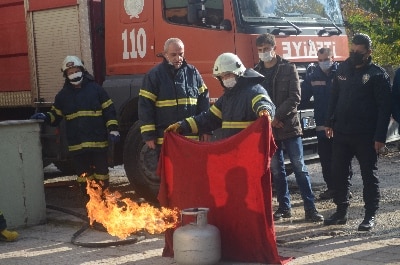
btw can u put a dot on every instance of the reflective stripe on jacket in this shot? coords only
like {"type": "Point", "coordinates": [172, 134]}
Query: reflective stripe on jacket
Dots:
{"type": "Point", "coordinates": [88, 112]}
{"type": "Point", "coordinates": [168, 96]}
{"type": "Point", "coordinates": [318, 84]}
{"type": "Point", "coordinates": [236, 109]}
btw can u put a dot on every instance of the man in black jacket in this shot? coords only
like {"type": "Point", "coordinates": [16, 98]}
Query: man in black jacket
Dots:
{"type": "Point", "coordinates": [358, 118]}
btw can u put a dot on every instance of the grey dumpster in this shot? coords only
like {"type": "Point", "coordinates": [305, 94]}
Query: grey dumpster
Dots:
{"type": "Point", "coordinates": [22, 198]}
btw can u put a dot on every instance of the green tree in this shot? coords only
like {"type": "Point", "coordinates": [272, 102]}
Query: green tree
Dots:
{"type": "Point", "coordinates": [380, 20]}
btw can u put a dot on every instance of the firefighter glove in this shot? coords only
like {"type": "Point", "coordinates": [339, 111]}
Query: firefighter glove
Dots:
{"type": "Point", "coordinates": [38, 116]}
{"type": "Point", "coordinates": [264, 112]}
{"type": "Point", "coordinates": [114, 136]}
{"type": "Point", "coordinates": [176, 128]}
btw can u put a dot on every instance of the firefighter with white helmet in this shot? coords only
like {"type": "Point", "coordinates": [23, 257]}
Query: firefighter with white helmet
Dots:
{"type": "Point", "coordinates": [71, 61]}
{"type": "Point", "coordinates": [90, 120]}
{"type": "Point", "coordinates": [243, 101]}
{"type": "Point", "coordinates": [74, 76]}
{"type": "Point", "coordinates": [228, 63]}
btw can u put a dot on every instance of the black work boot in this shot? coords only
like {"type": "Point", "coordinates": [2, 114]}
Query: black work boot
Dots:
{"type": "Point", "coordinates": [282, 213]}
{"type": "Point", "coordinates": [313, 215]}
{"type": "Point", "coordinates": [327, 195]}
{"type": "Point", "coordinates": [338, 218]}
{"type": "Point", "coordinates": [367, 224]}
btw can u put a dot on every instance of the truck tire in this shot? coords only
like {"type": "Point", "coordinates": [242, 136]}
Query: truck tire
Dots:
{"type": "Point", "coordinates": [140, 163]}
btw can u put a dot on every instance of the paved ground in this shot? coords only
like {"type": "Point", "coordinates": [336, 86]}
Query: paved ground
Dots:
{"type": "Point", "coordinates": [50, 243]}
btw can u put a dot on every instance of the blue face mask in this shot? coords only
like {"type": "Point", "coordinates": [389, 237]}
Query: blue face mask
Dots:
{"type": "Point", "coordinates": [325, 65]}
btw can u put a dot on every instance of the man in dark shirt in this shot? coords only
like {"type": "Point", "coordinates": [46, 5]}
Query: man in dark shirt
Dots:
{"type": "Point", "coordinates": [358, 118]}
{"type": "Point", "coordinates": [283, 86]}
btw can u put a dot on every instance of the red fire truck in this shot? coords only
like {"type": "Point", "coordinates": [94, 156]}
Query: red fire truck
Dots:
{"type": "Point", "coordinates": [120, 40]}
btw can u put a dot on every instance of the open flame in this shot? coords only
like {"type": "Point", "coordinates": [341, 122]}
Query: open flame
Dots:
{"type": "Point", "coordinates": [123, 217]}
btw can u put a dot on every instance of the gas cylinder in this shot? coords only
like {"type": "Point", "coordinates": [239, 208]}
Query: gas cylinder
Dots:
{"type": "Point", "coordinates": [197, 243]}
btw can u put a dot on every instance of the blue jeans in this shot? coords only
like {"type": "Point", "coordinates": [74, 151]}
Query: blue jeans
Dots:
{"type": "Point", "coordinates": [294, 149]}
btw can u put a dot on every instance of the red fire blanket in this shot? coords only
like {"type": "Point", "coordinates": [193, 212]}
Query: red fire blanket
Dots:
{"type": "Point", "coordinates": [232, 178]}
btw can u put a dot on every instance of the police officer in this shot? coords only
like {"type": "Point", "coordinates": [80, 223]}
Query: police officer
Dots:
{"type": "Point", "coordinates": [358, 118]}
{"type": "Point", "coordinates": [318, 84]}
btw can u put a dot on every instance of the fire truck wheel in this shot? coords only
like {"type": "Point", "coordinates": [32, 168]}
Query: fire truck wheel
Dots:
{"type": "Point", "coordinates": [140, 163]}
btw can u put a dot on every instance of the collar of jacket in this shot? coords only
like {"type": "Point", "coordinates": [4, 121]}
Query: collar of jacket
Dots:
{"type": "Point", "coordinates": [318, 71]}
{"type": "Point", "coordinates": [281, 60]}
{"type": "Point", "coordinates": [171, 68]}
{"type": "Point", "coordinates": [240, 84]}
{"type": "Point", "coordinates": [86, 79]}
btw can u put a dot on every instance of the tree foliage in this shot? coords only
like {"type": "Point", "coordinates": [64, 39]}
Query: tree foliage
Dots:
{"type": "Point", "coordinates": [380, 20]}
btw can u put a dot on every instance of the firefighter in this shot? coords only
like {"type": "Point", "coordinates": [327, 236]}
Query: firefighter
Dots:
{"type": "Point", "coordinates": [243, 101]}
{"type": "Point", "coordinates": [5, 234]}
{"type": "Point", "coordinates": [90, 120]}
{"type": "Point", "coordinates": [171, 91]}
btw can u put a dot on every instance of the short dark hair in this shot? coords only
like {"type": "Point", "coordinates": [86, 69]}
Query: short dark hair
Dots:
{"type": "Point", "coordinates": [325, 50]}
{"type": "Point", "coordinates": [265, 38]}
{"type": "Point", "coordinates": [362, 39]}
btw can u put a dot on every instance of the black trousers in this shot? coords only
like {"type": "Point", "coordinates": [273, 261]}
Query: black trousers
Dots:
{"type": "Point", "coordinates": [325, 158]}
{"type": "Point", "coordinates": [92, 165]}
{"type": "Point", "coordinates": [345, 147]}
{"type": "Point", "coordinates": [325, 149]}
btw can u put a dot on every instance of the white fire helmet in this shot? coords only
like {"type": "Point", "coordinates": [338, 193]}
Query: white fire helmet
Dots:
{"type": "Point", "coordinates": [71, 61]}
{"type": "Point", "coordinates": [228, 63]}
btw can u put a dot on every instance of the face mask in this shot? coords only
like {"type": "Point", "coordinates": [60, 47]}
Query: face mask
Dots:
{"type": "Point", "coordinates": [266, 56]}
{"type": "Point", "coordinates": [356, 58]}
{"type": "Point", "coordinates": [230, 82]}
{"type": "Point", "coordinates": [75, 78]}
{"type": "Point", "coordinates": [325, 65]}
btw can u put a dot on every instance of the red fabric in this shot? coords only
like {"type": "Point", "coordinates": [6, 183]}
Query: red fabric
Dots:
{"type": "Point", "coordinates": [232, 178]}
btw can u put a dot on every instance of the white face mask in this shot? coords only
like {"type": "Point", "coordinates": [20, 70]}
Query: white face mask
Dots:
{"type": "Point", "coordinates": [325, 65]}
{"type": "Point", "coordinates": [75, 78]}
{"type": "Point", "coordinates": [266, 56]}
{"type": "Point", "coordinates": [230, 82]}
